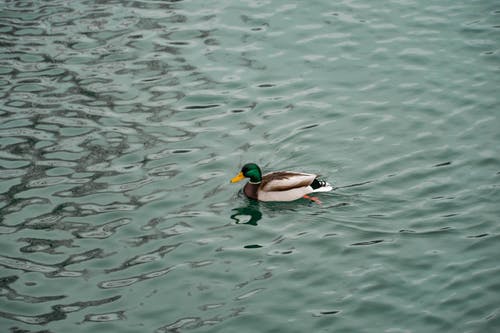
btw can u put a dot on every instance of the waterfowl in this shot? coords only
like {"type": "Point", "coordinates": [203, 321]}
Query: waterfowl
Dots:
{"type": "Point", "coordinates": [279, 185]}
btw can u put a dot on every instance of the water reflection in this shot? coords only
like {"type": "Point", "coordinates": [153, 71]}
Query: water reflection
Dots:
{"type": "Point", "coordinates": [250, 211]}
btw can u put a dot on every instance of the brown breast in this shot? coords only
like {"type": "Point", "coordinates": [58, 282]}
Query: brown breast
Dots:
{"type": "Point", "coordinates": [250, 190]}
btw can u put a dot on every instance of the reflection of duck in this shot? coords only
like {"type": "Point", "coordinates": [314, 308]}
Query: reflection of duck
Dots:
{"type": "Point", "coordinates": [250, 212]}
{"type": "Point", "coordinates": [279, 185]}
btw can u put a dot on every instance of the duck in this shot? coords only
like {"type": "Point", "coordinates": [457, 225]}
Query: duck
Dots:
{"type": "Point", "coordinates": [280, 185]}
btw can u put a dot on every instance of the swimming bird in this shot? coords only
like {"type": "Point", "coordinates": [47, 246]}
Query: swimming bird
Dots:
{"type": "Point", "coordinates": [279, 185]}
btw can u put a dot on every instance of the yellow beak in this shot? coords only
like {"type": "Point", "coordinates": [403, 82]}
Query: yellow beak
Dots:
{"type": "Point", "coordinates": [238, 177]}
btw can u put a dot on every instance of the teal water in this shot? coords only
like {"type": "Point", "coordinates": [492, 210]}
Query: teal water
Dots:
{"type": "Point", "coordinates": [121, 123]}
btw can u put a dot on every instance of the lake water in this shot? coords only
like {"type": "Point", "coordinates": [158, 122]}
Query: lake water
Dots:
{"type": "Point", "coordinates": [123, 121]}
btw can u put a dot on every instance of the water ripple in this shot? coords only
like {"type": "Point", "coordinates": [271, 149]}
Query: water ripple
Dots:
{"type": "Point", "coordinates": [119, 283]}
{"type": "Point", "coordinates": [12, 294]}
{"type": "Point", "coordinates": [49, 271]}
{"type": "Point", "coordinates": [105, 317]}
{"type": "Point", "coordinates": [197, 322]}
{"type": "Point", "coordinates": [59, 312]}
{"type": "Point", "coordinates": [145, 258]}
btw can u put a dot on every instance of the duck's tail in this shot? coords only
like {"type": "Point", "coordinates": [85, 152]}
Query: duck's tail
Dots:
{"type": "Point", "coordinates": [321, 186]}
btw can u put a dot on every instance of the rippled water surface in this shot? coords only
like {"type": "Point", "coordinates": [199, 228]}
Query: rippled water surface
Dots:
{"type": "Point", "coordinates": [121, 123]}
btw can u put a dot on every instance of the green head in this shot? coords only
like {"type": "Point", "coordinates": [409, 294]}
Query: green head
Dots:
{"type": "Point", "coordinates": [249, 170]}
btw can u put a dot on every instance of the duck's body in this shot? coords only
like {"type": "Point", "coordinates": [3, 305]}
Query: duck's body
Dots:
{"type": "Point", "coordinates": [279, 185]}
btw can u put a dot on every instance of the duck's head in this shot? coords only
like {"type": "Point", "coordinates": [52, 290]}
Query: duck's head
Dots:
{"type": "Point", "coordinates": [249, 170]}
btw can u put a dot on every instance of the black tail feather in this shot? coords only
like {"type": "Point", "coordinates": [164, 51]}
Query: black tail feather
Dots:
{"type": "Point", "coordinates": [318, 183]}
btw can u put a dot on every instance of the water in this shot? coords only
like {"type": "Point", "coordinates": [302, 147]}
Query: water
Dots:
{"type": "Point", "coordinates": [122, 123]}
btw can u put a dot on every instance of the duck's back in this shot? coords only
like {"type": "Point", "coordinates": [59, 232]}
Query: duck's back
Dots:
{"type": "Point", "coordinates": [286, 180]}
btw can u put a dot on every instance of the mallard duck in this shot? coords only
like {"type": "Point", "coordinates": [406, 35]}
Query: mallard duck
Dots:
{"type": "Point", "coordinates": [279, 185]}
